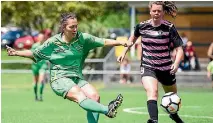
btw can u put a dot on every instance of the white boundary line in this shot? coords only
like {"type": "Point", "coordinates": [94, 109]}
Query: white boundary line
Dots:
{"type": "Point", "coordinates": [134, 111]}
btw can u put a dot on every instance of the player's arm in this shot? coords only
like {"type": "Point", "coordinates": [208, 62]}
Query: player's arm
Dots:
{"type": "Point", "coordinates": [177, 42]}
{"type": "Point", "coordinates": [110, 42]}
{"type": "Point", "coordinates": [132, 39]}
{"type": "Point", "coordinates": [210, 51]}
{"type": "Point", "coordinates": [23, 53]}
{"type": "Point", "coordinates": [179, 55]}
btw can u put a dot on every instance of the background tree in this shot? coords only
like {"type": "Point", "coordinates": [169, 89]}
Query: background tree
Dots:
{"type": "Point", "coordinates": [40, 15]}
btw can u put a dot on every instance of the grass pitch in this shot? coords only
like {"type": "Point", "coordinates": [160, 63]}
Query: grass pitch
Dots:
{"type": "Point", "coordinates": [18, 105]}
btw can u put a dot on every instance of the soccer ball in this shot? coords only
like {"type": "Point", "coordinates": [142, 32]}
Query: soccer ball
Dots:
{"type": "Point", "coordinates": [171, 103]}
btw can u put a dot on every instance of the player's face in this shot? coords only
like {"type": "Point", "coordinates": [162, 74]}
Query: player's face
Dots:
{"type": "Point", "coordinates": [71, 27]}
{"type": "Point", "coordinates": [156, 12]}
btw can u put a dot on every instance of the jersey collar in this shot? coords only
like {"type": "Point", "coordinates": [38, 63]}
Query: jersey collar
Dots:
{"type": "Point", "coordinates": [72, 41]}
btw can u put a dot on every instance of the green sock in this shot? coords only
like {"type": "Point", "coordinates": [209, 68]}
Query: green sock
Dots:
{"type": "Point", "coordinates": [93, 106]}
{"type": "Point", "coordinates": [41, 89]}
{"type": "Point", "coordinates": [35, 89]}
{"type": "Point", "coordinates": [92, 117]}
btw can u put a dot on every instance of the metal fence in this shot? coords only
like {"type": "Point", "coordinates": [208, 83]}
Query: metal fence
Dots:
{"type": "Point", "coordinates": [107, 71]}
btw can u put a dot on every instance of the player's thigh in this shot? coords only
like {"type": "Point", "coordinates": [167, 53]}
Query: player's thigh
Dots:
{"type": "Point", "coordinates": [166, 78]}
{"type": "Point", "coordinates": [42, 75]}
{"type": "Point", "coordinates": [170, 88]}
{"type": "Point", "coordinates": [35, 78]}
{"type": "Point", "coordinates": [150, 84]}
{"type": "Point", "coordinates": [90, 92]}
{"type": "Point", "coordinates": [35, 71]}
{"type": "Point", "coordinates": [62, 86]}
{"type": "Point", "coordinates": [149, 80]}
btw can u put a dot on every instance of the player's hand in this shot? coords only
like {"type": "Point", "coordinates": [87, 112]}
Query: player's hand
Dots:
{"type": "Point", "coordinates": [209, 75]}
{"type": "Point", "coordinates": [174, 68]}
{"type": "Point", "coordinates": [127, 44]}
{"type": "Point", "coordinates": [11, 51]}
{"type": "Point", "coordinates": [121, 57]}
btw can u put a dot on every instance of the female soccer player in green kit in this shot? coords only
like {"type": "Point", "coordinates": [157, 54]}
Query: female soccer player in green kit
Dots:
{"type": "Point", "coordinates": [66, 53]}
{"type": "Point", "coordinates": [39, 70]}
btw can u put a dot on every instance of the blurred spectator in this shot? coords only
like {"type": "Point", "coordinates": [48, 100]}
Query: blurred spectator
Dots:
{"type": "Point", "coordinates": [190, 61]}
{"type": "Point", "coordinates": [190, 54]}
{"type": "Point", "coordinates": [125, 68]}
{"type": "Point", "coordinates": [47, 33]}
{"type": "Point", "coordinates": [210, 52]}
{"type": "Point", "coordinates": [210, 72]}
{"type": "Point", "coordinates": [184, 39]}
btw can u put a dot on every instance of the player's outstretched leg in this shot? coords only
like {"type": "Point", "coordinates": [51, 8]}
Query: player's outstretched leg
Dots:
{"type": "Point", "coordinates": [76, 94]}
{"type": "Point", "coordinates": [176, 118]}
{"type": "Point", "coordinates": [114, 105]}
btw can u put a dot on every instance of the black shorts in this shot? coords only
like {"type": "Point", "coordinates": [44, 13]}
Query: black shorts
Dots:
{"type": "Point", "coordinates": [164, 77]}
{"type": "Point", "coordinates": [212, 77]}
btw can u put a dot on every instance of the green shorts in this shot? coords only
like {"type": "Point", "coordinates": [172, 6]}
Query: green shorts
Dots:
{"type": "Point", "coordinates": [61, 86]}
{"type": "Point", "coordinates": [36, 69]}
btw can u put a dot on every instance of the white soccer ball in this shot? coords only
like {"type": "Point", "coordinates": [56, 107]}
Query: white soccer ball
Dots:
{"type": "Point", "coordinates": [171, 103]}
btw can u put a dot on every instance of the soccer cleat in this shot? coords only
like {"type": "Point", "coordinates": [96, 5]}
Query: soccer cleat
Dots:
{"type": "Point", "coordinates": [36, 98]}
{"type": "Point", "coordinates": [118, 101]}
{"type": "Point", "coordinates": [41, 99]}
{"type": "Point", "coordinates": [177, 120]}
{"type": "Point", "coordinates": [113, 106]}
{"type": "Point", "coordinates": [152, 121]}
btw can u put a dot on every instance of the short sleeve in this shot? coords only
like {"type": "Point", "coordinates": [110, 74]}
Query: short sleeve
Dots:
{"type": "Point", "coordinates": [175, 38]}
{"type": "Point", "coordinates": [136, 31]}
{"type": "Point", "coordinates": [92, 42]}
{"type": "Point", "coordinates": [44, 51]}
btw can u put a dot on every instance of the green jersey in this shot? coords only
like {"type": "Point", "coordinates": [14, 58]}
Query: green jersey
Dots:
{"type": "Point", "coordinates": [210, 67]}
{"type": "Point", "coordinates": [67, 59]}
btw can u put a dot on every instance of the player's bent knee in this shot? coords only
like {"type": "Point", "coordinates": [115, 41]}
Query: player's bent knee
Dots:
{"type": "Point", "coordinates": [152, 94]}
{"type": "Point", "coordinates": [95, 97]}
{"type": "Point", "coordinates": [75, 94]}
{"type": "Point", "coordinates": [81, 97]}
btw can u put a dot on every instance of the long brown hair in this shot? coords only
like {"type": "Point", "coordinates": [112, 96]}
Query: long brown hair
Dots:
{"type": "Point", "coordinates": [168, 6]}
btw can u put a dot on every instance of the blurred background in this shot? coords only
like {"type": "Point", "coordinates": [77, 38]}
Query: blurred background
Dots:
{"type": "Point", "coordinates": [21, 22]}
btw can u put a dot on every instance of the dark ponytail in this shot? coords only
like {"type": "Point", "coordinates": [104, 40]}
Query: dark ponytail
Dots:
{"type": "Point", "coordinates": [64, 18]}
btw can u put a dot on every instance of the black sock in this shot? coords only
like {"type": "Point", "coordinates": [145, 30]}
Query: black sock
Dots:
{"type": "Point", "coordinates": [152, 109]}
{"type": "Point", "coordinates": [176, 118]}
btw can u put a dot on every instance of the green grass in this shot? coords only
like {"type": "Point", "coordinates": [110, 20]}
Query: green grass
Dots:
{"type": "Point", "coordinates": [18, 105]}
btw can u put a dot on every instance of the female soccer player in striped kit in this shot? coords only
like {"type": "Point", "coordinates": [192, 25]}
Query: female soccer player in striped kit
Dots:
{"type": "Point", "coordinates": [66, 53]}
{"type": "Point", "coordinates": [159, 37]}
